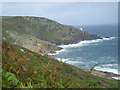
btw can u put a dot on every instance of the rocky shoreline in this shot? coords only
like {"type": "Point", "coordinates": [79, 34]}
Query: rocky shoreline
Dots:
{"type": "Point", "coordinates": [103, 74]}
{"type": "Point", "coordinates": [42, 35]}
{"type": "Point", "coordinates": [100, 73]}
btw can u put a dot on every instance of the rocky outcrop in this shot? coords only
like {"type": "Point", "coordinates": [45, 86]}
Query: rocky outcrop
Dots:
{"type": "Point", "coordinates": [46, 29]}
{"type": "Point", "coordinates": [32, 43]}
{"type": "Point", "coordinates": [41, 35]}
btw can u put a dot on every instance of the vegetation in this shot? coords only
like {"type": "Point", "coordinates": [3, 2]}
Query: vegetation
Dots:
{"type": "Point", "coordinates": [24, 65]}
{"type": "Point", "coordinates": [40, 34]}
{"type": "Point", "coordinates": [93, 67]}
{"type": "Point", "coordinates": [23, 68]}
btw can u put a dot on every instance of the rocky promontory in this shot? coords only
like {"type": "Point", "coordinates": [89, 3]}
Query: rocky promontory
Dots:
{"type": "Point", "coordinates": [40, 34]}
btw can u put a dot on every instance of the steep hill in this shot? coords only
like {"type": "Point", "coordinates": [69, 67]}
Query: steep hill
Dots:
{"type": "Point", "coordinates": [41, 34]}
{"type": "Point", "coordinates": [22, 68]}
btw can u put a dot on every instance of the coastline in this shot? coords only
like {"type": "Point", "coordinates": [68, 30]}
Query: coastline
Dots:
{"type": "Point", "coordinates": [105, 74]}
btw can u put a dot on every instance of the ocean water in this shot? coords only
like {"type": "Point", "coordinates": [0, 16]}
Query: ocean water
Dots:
{"type": "Point", "coordinates": [90, 52]}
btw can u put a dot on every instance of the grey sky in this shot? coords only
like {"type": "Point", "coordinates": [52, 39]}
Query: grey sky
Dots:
{"type": "Point", "coordinates": [70, 13]}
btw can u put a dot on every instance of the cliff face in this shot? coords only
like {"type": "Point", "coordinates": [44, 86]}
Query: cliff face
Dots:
{"type": "Point", "coordinates": [30, 42]}
{"type": "Point", "coordinates": [40, 34]}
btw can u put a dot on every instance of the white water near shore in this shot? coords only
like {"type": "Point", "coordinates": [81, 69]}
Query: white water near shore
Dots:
{"type": "Point", "coordinates": [82, 44]}
{"type": "Point", "coordinates": [97, 67]}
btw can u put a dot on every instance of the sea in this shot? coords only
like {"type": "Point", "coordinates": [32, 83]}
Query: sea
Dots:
{"type": "Point", "coordinates": [90, 52]}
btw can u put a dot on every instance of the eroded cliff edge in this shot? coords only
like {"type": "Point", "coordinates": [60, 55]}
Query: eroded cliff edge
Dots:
{"type": "Point", "coordinates": [40, 34]}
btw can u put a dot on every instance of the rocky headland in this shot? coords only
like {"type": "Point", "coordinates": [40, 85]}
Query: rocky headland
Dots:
{"type": "Point", "coordinates": [41, 35]}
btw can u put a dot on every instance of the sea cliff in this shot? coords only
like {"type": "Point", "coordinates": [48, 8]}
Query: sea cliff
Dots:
{"type": "Point", "coordinates": [40, 34]}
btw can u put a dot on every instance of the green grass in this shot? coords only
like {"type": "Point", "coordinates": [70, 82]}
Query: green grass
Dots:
{"type": "Point", "coordinates": [45, 29]}
{"type": "Point", "coordinates": [31, 70]}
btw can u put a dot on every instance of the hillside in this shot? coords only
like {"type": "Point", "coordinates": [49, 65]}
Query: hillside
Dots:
{"type": "Point", "coordinates": [22, 68]}
{"type": "Point", "coordinates": [39, 34]}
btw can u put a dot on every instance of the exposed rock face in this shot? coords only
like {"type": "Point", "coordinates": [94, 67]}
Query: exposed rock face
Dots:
{"type": "Point", "coordinates": [32, 43]}
{"type": "Point", "coordinates": [40, 34]}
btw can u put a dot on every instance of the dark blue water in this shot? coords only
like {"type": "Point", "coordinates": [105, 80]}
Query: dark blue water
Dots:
{"type": "Point", "coordinates": [101, 30]}
{"type": "Point", "coordinates": [88, 53]}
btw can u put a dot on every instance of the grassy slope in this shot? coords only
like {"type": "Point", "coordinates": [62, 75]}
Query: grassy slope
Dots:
{"type": "Point", "coordinates": [20, 31]}
{"type": "Point", "coordinates": [30, 70]}
{"type": "Point", "coordinates": [45, 29]}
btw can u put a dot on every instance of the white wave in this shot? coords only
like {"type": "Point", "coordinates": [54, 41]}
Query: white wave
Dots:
{"type": "Point", "coordinates": [107, 70]}
{"type": "Point", "coordinates": [72, 62]}
{"type": "Point", "coordinates": [109, 38]}
{"type": "Point", "coordinates": [85, 42]}
{"type": "Point", "coordinates": [117, 78]}
{"type": "Point", "coordinates": [67, 60]}
{"type": "Point", "coordinates": [62, 50]}
{"type": "Point", "coordinates": [106, 39]}
{"type": "Point", "coordinates": [113, 37]}
{"type": "Point", "coordinates": [63, 60]}
{"type": "Point", "coordinates": [109, 65]}
{"type": "Point", "coordinates": [57, 52]}
{"type": "Point", "coordinates": [52, 53]}
{"type": "Point", "coordinates": [81, 43]}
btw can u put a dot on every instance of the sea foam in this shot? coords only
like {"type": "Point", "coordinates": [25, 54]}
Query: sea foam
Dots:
{"type": "Point", "coordinates": [107, 70]}
{"type": "Point", "coordinates": [107, 67]}
{"type": "Point", "coordinates": [81, 43]}
{"type": "Point", "coordinates": [85, 42]}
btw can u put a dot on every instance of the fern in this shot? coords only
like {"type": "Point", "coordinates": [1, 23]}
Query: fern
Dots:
{"type": "Point", "coordinates": [28, 85]}
{"type": "Point", "coordinates": [10, 77]}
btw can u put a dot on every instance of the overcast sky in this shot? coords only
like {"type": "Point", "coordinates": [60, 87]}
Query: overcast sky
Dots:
{"type": "Point", "coordinates": [70, 13]}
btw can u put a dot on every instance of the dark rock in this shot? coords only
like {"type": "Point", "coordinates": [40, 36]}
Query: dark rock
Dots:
{"type": "Point", "coordinates": [107, 37]}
